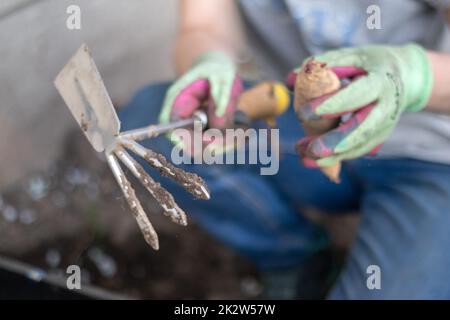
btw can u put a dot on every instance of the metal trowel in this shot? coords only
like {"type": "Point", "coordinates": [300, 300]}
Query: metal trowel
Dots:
{"type": "Point", "coordinates": [84, 92]}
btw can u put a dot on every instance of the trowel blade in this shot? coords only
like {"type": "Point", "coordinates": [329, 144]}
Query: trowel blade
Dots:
{"type": "Point", "coordinates": [84, 92]}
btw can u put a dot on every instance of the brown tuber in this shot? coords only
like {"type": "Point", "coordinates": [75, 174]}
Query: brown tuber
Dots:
{"type": "Point", "coordinates": [313, 81]}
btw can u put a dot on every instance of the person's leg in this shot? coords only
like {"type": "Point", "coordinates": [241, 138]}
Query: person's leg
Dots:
{"type": "Point", "coordinates": [404, 231]}
{"type": "Point", "coordinates": [256, 215]}
{"type": "Point", "coordinates": [304, 187]}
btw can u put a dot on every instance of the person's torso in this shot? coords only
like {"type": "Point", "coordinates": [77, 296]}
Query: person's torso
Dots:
{"type": "Point", "coordinates": [284, 33]}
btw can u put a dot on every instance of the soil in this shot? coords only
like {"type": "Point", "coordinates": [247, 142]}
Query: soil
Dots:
{"type": "Point", "coordinates": [74, 213]}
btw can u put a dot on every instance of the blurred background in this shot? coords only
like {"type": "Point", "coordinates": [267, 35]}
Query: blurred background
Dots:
{"type": "Point", "coordinates": [59, 204]}
{"type": "Point", "coordinates": [131, 43]}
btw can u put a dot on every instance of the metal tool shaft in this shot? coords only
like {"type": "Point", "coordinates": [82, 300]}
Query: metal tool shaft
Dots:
{"type": "Point", "coordinates": [156, 130]}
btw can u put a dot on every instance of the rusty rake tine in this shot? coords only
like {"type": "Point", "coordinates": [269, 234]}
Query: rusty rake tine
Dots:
{"type": "Point", "coordinates": [190, 181]}
{"type": "Point", "coordinates": [164, 198]}
{"type": "Point", "coordinates": [141, 218]}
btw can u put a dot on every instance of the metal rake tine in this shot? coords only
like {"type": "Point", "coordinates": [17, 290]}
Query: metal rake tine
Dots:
{"type": "Point", "coordinates": [190, 181]}
{"type": "Point", "coordinates": [164, 198]}
{"type": "Point", "coordinates": [141, 218]}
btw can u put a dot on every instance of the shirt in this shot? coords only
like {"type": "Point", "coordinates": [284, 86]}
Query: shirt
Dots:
{"type": "Point", "coordinates": [283, 33]}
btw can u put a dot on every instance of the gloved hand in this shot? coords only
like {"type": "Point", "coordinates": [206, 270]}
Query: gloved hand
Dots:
{"type": "Point", "coordinates": [212, 82]}
{"type": "Point", "coordinates": [386, 81]}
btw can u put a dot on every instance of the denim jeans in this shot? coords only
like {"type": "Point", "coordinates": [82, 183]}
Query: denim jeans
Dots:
{"type": "Point", "coordinates": [404, 203]}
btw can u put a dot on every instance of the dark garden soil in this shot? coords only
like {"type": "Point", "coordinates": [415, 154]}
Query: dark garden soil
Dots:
{"type": "Point", "coordinates": [74, 213]}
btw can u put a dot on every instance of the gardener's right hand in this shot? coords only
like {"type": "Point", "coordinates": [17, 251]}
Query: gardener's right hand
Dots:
{"type": "Point", "coordinates": [211, 82]}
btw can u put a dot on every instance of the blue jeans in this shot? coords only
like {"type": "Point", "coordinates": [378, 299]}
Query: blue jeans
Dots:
{"type": "Point", "coordinates": [404, 203]}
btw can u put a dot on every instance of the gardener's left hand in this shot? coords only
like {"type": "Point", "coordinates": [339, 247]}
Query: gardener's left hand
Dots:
{"type": "Point", "coordinates": [386, 82]}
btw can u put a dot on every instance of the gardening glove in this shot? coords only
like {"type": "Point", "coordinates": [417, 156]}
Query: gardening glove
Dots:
{"type": "Point", "coordinates": [385, 82]}
{"type": "Point", "coordinates": [211, 83]}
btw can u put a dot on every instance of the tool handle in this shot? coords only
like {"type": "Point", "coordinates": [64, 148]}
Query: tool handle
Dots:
{"type": "Point", "coordinates": [264, 101]}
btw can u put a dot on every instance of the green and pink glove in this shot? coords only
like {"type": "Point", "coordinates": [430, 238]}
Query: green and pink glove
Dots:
{"type": "Point", "coordinates": [212, 83]}
{"type": "Point", "coordinates": [385, 81]}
